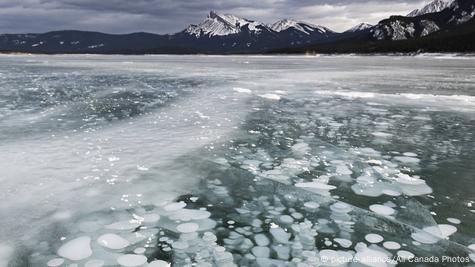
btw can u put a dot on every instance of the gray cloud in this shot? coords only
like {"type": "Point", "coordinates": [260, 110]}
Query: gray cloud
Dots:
{"type": "Point", "coordinates": [167, 16]}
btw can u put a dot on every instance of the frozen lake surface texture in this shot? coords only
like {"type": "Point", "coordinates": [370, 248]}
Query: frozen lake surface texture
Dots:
{"type": "Point", "coordinates": [236, 160]}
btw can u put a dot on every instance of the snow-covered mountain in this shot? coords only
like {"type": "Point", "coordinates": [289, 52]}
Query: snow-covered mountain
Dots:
{"type": "Point", "coordinates": [226, 25]}
{"type": "Point", "coordinates": [232, 33]}
{"type": "Point", "coordinates": [432, 7]}
{"type": "Point", "coordinates": [223, 24]}
{"type": "Point", "coordinates": [360, 27]}
{"type": "Point", "coordinates": [306, 28]}
{"type": "Point", "coordinates": [402, 28]}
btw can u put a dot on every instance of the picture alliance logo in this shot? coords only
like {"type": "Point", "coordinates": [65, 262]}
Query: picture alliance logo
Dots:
{"type": "Point", "coordinates": [392, 260]}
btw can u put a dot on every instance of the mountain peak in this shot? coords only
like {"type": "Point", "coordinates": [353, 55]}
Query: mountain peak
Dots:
{"type": "Point", "coordinates": [432, 7]}
{"type": "Point", "coordinates": [304, 27]}
{"type": "Point", "coordinates": [217, 24]}
{"type": "Point", "coordinates": [360, 27]}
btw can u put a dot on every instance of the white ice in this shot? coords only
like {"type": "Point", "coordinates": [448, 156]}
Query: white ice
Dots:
{"type": "Point", "coordinates": [76, 249]}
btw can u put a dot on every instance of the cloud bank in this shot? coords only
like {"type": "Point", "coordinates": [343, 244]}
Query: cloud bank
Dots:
{"type": "Point", "coordinates": [169, 16]}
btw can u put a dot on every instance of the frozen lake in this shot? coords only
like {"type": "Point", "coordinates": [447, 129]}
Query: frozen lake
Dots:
{"type": "Point", "coordinates": [236, 160]}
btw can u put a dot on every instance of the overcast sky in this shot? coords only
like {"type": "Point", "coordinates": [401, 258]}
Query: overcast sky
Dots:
{"type": "Point", "coordinates": [168, 16]}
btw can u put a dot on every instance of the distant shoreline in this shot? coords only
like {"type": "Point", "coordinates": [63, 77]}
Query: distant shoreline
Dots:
{"type": "Point", "coordinates": [409, 54]}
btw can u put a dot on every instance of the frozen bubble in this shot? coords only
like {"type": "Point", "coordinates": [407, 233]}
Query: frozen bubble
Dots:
{"type": "Point", "coordinates": [130, 260]}
{"type": "Point", "coordinates": [374, 238]}
{"type": "Point", "coordinates": [382, 210]}
{"type": "Point", "coordinates": [366, 180]}
{"type": "Point", "coordinates": [300, 149]}
{"type": "Point", "coordinates": [280, 235]}
{"type": "Point", "coordinates": [76, 249]}
{"type": "Point", "coordinates": [409, 180]}
{"type": "Point", "coordinates": [317, 186]}
{"type": "Point", "coordinates": [342, 169]}
{"type": "Point", "coordinates": [261, 240]}
{"type": "Point", "coordinates": [424, 237]}
{"type": "Point", "coordinates": [261, 252]}
{"type": "Point", "coordinates": [206, 224]}
{"type": "Point", "coordinates": [112, 241]}
{"type": "Point", "coordinates": [175, 206]}
{"type": "Point", "coordinates": [297, 215]}
{"type": "Point", "coordinates": [391, 245]}
{"type": "Point", "coordinates": [286, 219]}
{"type": "Point", "coordinates": [409, 154]}
{"type": "Point", "coordinates": [404, 254]}
{"type": "Point", "coordinates": [408, 160]}
{"type": "Point", "coordinates": [187, 227]}
{"type": "Point", "coordinates": [283, 252]}
{"type": "Point", "coordinates": [124, 225]}
{"type": "Point", "coordinates": [343, 242]}
{"type": "Point", "coordinates": [158, 263]}
{"type": "Point", "coordinates": [441, 230]}
{"type": "Point", "coordinates": [311, 205]}
{"type": "Point", "coordinates": [242, 90]}
{"type": "Point", "coordinates": [55, 262]}
{"type": "Point", "coordinates": [454, 220]}
{"type": "Point", "coordinates": [270, 96]}
{"type": "Point", "coordinates": [340, 207]}
{"type": "Point", "coordinates": [189, 214]}
{"type": "Point", "coordinates": [94, 263]}
{"type": "Point", "coordinates": [412, 186]}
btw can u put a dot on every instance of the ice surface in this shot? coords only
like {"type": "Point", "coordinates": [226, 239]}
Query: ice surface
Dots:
{"type": "Point", "coordinates": [200, 161]}
{"type": "Point", "coordinates": [5, 254]}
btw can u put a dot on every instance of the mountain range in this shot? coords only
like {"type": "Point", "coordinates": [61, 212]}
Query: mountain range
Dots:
{"type": "Point", "coordinates": [438, 26]}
